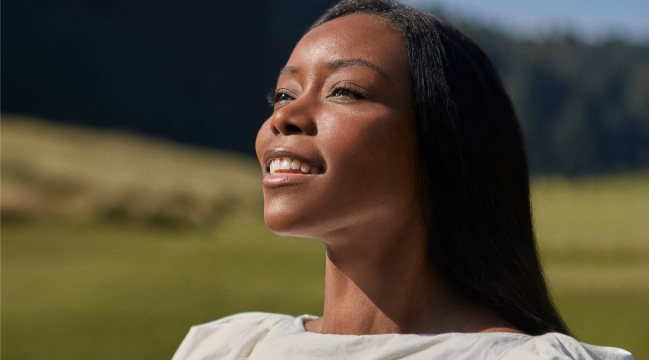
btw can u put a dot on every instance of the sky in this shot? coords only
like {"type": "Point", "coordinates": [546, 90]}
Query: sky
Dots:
{"type": "Point", "coordinates": [590, 20]}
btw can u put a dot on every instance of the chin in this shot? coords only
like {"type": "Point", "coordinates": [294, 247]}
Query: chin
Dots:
{"type": "Point", "coordinates": [287, 223]}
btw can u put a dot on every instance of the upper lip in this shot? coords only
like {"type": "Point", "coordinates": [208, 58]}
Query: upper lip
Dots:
{"type": "Point", "coordinates": [282, 152]}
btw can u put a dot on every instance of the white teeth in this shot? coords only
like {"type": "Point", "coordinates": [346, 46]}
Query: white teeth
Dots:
{"type": "Point", "coordinates": [274, 166]}
{"type": "Point", "coordinates": [287, 163]}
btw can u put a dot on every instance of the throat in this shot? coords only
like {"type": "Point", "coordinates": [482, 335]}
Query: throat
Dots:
{"type": "Point", "coordinates": [359, 305]}
{"type": "Point", "coordinates": [397, 302]}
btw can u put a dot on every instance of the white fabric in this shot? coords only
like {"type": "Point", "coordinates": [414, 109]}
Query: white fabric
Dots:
{"type": "Point", "coordinates": [283, 337]}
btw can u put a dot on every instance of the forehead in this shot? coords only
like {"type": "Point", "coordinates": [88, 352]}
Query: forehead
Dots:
{"type": "Point", "coordinates": [357, 36]}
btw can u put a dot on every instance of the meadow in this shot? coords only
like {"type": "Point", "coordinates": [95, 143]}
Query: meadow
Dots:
{"type": "Point", "coordinates": [113, 245]}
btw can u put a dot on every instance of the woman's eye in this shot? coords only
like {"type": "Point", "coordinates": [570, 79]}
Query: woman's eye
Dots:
{"type": "Point", "coordinates": [343, 93]}
{"type": "Point", "coordinates": [279, 97]}
{"type": "Point", "coordinates": [347, 94]}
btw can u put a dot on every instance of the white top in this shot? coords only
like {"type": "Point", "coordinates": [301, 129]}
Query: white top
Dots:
{"type": "Point", "coordinates": [274, 336]}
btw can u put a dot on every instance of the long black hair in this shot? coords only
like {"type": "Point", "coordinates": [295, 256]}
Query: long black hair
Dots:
{"type": "Point", "coordinates": [473, 175]}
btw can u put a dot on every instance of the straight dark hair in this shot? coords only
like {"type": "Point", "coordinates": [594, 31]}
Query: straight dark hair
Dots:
{"type": "Point", "coordinates": [473, 175]}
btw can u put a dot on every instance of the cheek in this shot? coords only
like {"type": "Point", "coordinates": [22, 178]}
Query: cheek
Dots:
{"type": "Point", "coordinates": [382, 145]}
{"type": "Point", "coordinates": [375, 161]}
{"type": "Point", "coordinates": [263, 138]}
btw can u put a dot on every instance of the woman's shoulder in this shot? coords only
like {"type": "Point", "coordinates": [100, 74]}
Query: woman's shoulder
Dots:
{"type": "Point", "coordinates": [248, 319]}
{"type": "Point", "coordinates": [284, 336]}
{"type": "Point", "coordinates": [231, 335]}
{"type": "Point", "coordinates": [561, 346]}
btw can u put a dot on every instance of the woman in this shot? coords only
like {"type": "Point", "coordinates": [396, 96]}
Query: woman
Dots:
{"type": "Point", "coordinates": [394, 143]}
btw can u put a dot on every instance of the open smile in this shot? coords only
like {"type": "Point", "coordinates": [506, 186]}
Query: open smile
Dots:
{"type": "Point", "coordinates": [291, 166]}
{"type": "Point", "coordinates": [283, 171]}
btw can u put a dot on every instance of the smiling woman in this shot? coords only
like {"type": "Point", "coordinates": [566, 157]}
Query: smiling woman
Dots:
{"type": "Point", "coordinates": [344, 108]}
{"type": "Point", "coordinates": [393, 142]}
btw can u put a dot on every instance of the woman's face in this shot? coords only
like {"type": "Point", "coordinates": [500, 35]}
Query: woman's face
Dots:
{"type": "Point", "coordinates": [338, 153]}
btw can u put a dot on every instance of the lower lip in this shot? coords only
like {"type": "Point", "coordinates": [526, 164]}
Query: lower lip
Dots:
{"type": "Point", "coordinates": [278, 180]}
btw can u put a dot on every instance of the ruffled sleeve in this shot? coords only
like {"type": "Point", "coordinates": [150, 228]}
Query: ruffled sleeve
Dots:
{"type": "Point", "coordinates": [233, 337]}
{"type": "Point", "coordinates": [556, 346]}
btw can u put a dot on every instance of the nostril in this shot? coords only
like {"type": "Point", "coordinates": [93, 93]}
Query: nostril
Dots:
{"type": "Point", "coordinates": [292, 120]}
{"type": "Point", "coordinates": [292, 129]}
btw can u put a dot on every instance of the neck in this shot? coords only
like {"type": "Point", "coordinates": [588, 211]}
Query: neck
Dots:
{"type": "Point", "coordinates": [391, 288]}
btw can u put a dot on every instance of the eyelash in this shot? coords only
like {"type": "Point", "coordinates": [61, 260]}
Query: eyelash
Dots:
{"type": "Point", "coordinates": [354, 93]}
{"type": "Point", "coordinates": [273, 95]}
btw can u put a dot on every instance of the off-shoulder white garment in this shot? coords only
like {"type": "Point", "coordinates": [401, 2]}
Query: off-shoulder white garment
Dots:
{"type": "Point", "coordinates": [267, 336]}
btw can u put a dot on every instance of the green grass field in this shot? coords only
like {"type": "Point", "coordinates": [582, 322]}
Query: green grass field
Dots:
{"type": "Point", "coordinates": [593, 236]}
{"type": "Point", "coordinates": [113, 246]}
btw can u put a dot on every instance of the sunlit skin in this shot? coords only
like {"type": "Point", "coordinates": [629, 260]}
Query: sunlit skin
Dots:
{"type": "Point", "coordinates": [344, 105]}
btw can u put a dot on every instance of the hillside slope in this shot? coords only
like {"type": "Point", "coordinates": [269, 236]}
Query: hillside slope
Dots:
{"type": "Point", "coordinates": [54, 169]}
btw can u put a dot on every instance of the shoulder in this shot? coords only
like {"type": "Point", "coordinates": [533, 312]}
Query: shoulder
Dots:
{"type": "Point", "coordinates": [559, 346]}
{"type": "Point", "coordinates": [229, 337]}
{"type": "Point", "coordinates": [248, 319]}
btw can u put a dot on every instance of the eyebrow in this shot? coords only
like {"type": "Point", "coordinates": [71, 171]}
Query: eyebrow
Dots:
{"type": "Point", "coordinates": [338, 64]}
{"type": "Point", "coordinates": [289, 70]}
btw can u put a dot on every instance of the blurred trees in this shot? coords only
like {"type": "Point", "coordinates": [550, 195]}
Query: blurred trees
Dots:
{"type": "Point", "coordinates": [193, 71]}
{"type": "Point", "coordinates": [198, 72]}
{"type": "Point", "coordinates": [584, 108]}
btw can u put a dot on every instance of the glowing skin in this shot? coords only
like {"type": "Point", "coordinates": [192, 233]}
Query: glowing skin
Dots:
{"type": "Point", "coordinates": [344, 114]}
{"type": "Point", "coordinates": [365, 147]}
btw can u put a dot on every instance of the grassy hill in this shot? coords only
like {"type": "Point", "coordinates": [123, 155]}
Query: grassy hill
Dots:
{"type": "Point", "coordinates": [52, 169]}
{"type": "Point", "coordinates": [113, 245]}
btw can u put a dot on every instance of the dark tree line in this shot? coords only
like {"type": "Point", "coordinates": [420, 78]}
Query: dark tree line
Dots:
{"type": "Point", "coordinates": [198, 72]}
{"type": "Point", "coordinates": [584, 108]}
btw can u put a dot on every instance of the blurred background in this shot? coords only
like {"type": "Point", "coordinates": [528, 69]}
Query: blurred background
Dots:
{"type": "Point", "coordinates": [131, 200]}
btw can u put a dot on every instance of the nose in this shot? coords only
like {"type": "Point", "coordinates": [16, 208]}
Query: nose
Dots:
{"type": "Point", "coordinates": [295, 118]}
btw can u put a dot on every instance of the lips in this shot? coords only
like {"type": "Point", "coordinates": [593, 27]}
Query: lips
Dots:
{"type": "Point", "coordinates": [278, 160]}
{"type": "Point", "coordinates": [286, 167]}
